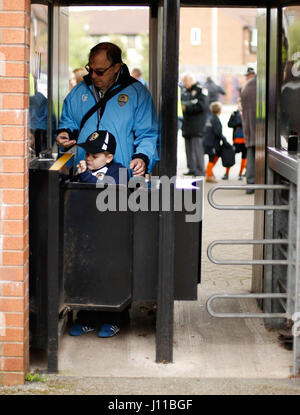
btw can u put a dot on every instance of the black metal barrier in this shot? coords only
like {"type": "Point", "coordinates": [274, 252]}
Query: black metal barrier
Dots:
{"type": "Point", "coordinates": [85, 258]}
{"type": "Point", "coordinates": [97, 250]}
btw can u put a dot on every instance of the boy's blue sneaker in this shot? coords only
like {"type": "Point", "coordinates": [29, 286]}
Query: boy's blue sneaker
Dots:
{"type": "Point", "coordinates": [79, 329]}
{"type": "Point", "coordinates": [108, 330]}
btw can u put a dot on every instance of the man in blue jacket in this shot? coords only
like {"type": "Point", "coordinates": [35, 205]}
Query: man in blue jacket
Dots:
{"type": "Point", "coordinates": [125, 110]}
{"type": "Point", "coordinates": [129, 114]}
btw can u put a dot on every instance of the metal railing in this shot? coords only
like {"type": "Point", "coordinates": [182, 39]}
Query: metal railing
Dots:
{"type": "Point", "coordinates": [247, 262]}
{"type": "Point", "coordinates": [247, 242]}
{"type": "Point", "coordinates": [245, 187]}
{"type": "Point", "coordinates": [289, 299]}
{"type": "Point", "coordinates": [246, 315]}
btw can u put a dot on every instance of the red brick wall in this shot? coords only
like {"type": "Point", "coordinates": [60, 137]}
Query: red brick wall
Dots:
{"type": "Point", "coordinates": [14, 122]}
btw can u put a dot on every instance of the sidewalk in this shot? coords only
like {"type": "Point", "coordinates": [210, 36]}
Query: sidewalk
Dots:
{"type": "Point", "coordinates": [211, 355]}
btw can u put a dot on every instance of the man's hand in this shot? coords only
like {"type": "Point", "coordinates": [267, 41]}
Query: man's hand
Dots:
{"type": "Point", "coordinates": [138, 166]}
{"type": "Point", "coordinates": [81, 167]}
{"type": "Point", "coordinates": [64, 141]}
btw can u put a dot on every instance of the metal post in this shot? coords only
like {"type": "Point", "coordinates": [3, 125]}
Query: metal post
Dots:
{"type": "Point", "coordinates": [214, 42]}
{"type": "Point", "coordinates": [50, 77]}
{"type": "Point", "coordinates": [153, 45]}
{"type": "Point", "coordinates": [296, 338]}
{"type": "Point", "coordinates": [168, 111]}
{"type": "Point", "coordinates": [292, 232]}
{"type": "Point", "coordinates": [53, 270]}
{"type": "Point", "coordinates": [165, 296]}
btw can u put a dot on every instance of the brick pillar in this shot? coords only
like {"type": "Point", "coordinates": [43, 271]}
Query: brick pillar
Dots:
{"type": "Point", "coordinates": [14, 158]}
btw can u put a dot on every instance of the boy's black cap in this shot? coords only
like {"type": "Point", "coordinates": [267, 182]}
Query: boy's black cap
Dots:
{"type": "Point", "coordinates": [99, 141]}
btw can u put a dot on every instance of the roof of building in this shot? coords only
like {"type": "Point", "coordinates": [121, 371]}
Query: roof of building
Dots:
{"type": "Point", "coordinates": [246, 16]}
{"type": "Point", "coordinates": [124, 21]}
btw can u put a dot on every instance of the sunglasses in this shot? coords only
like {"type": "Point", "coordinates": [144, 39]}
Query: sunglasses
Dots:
{"type": "Point", "coordinates": [99, 73]}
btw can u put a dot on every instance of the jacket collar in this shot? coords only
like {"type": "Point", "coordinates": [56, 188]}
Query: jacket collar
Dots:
{"type": "Point", "coordinates": [122, 76]}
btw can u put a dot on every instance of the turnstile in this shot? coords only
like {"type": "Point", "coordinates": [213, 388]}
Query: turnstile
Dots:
{"type": "Point", "coordinates": [85, 258]}
{"type": "Point", "coordinates": [281, 263]}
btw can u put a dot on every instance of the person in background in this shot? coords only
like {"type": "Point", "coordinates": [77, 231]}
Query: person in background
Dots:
{"type": "Point", "coordinates": [213, 89]}
{"type": "Point", "coordinates": [290, 102]}
{"type": "Point", "coordinates": [235, 122]}
{"type": "Point", "coordinates": [137, 74]}
{"type": "Point", "coordinates": [212, 138]}
{"type": "Point", "coordinates": [248, 100]}
{"type": "Point", "coordinates": [77, 76]}
{"type": "Point", "coordinates": [195, 109]}
{"type": "Point", "coordinates": [179, 110]}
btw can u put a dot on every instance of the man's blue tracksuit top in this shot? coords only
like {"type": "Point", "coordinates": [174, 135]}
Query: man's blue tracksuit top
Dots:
{"type": "Point", "coordinates": [129, 115]}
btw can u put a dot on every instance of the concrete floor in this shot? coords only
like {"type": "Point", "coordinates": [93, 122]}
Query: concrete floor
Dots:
{"type": "Point", "coordinates": [211, 355]}
{"type": "Point", "coordinates": [204, 346]}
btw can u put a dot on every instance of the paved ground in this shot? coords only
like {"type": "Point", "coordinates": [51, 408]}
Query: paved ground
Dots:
{"type": "Point", "coordinates": [190, 388]}
{"type": "Point", "coordinates": [211, 355]}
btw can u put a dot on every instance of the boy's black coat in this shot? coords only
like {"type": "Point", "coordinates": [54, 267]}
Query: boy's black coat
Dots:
{"type": "Point", "coordinates": [213, 134]}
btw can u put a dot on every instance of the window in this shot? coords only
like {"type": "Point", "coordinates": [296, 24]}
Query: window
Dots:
{"type": "Point", "coordinates": [253, 40]}
{"type": "Point", "coordinates": [38, 78]}
{"type": "Point", "coordinates": [290, 78]}
{"type": "Point", "coordinates": [195, 36]}
{"type": "Point", "coordinates": [131, 41]}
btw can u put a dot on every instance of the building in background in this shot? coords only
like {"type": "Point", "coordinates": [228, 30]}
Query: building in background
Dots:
{"type": "Point", "coordinates": [219, 43]}
{"type": "Point", "coordinates": [213, 42]}
{"type": "Point", "coordinates": [127, 27]}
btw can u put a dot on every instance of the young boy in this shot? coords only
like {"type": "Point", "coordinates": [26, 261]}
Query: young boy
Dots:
{"type": "Point", "coordinates": [99, 162]}
{"type": "Point", "coordinates": [212, 138]}
{"type": "Point", "coordinates": [235, 122]}
{"type": "Point", "coordinates": [100, 148]}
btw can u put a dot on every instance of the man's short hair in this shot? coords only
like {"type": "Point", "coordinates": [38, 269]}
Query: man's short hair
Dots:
{"type": "Point", "coordinates": [113, 52]}
{"type": "Point", "coordinates": [215, 107]}
{"type": "Point", "coordinates": [189, 76]}
{"type": "Point", "coordinates": [137, 71]}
